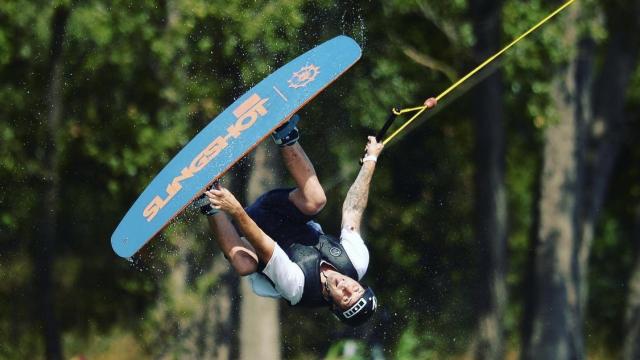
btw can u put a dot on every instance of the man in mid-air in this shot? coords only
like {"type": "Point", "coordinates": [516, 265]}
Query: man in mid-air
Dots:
{"type": "Point", "coordinates": [286, 253]}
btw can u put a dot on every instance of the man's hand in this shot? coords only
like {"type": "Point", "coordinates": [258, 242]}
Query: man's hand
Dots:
{"type": "Point", "coordinates": [373, 148]}
{"type": "Point", "coordinates": [223, 199]}
{"type": "Point", "coordinates": [430, 103]}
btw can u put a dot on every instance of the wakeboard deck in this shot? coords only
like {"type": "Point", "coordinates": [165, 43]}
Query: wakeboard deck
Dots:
{"type": "Point", "coordinates": [229, 137]}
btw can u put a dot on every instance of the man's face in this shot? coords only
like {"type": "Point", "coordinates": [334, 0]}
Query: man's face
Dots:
{"type": "Point", "coordinates": [343, 290]}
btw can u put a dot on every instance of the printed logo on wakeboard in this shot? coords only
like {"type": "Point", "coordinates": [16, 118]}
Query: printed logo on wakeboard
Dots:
{"type": "Point", "coordinates": [303, 76]}
{"type": "Point", "coordinates": [246, 114]}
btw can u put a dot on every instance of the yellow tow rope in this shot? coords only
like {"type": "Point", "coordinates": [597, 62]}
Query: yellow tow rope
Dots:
{"type": "Point", "coordinates": [421, 109]}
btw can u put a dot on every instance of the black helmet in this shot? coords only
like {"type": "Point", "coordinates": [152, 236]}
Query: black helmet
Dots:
{"type": "Point", "coordinates": [360, 312]}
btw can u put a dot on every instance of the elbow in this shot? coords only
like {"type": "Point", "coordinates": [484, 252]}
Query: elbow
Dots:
{"type": "Point", "coordinates": [245, 267]}
{"type": "Point", "coordinates": [244, 263]}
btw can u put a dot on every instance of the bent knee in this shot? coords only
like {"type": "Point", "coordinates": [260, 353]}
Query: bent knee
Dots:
{"type": "Point", "coordinates": [317, 205]}
{"type": "Point", "coordinates": [314, 205]}
{"type": "Point", "coordinates": [309, 202]}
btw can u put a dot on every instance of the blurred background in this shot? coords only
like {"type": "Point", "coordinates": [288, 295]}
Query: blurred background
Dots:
{"type": "Point", "coordinates": [503, 225]}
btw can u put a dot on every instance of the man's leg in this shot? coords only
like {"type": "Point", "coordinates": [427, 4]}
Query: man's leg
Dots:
{"type": "Point", "coordinates": [309, 196]}
{"type": "Point", "coordinates": [237, 250]}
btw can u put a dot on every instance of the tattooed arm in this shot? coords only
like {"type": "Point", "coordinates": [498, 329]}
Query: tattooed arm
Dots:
{"type": "Point", "coordinates": [356, 200]}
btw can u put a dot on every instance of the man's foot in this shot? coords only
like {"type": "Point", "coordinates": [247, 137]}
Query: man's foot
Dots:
{"type": "Point", "coordinates": [287, 134]}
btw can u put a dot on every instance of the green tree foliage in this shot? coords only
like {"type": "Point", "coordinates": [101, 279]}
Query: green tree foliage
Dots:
{"type": "Point", "coordinates": [142, 77]}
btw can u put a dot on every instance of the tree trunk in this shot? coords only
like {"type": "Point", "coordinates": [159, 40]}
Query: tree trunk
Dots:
{"type": "Point", "coordinates": [528, 287]}
{"type": "Point", "coordinates": [217, 335]}
{"type": "Point", "coordinates": [259, 317]}
{"type": "Point", "coordinates": [191, 321]}
{"type": "Point", "coordinates": [196, 321]}
{"type": "Point", "coordinates": [632, 316]}
{"type": "Point", "coordinates": [214, 331]}
{"type": "Point", "coordinates": [48, 223]}
{"type": "Point", "coordinates": [576, 175]}
{"type": "Point", "coordinates": [606, 132]}
{"type": "Point", "coordinates": [490, 203]}
{"type": "Point", "coordinates": [557, 320]}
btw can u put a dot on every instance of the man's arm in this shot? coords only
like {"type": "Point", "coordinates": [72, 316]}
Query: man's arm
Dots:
{"type": "Point", "coordinates": [358, 195]}
{"type": "Point", "coordinates": [286, 275]}
{"type": "Point", "coordinates": [356, 200]}
{"type": "Point", "coordinates": [223, 199]}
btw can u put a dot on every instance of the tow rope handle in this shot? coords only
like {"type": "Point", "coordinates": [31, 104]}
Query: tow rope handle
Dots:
{"type": "Point", "coordinates": [390, 119]}
{"type": "Point", "coordinates": [383, 131]}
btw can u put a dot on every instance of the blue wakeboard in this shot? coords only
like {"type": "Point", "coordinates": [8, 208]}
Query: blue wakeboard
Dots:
{"type": "Point", "coordinates": [229, 137]}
